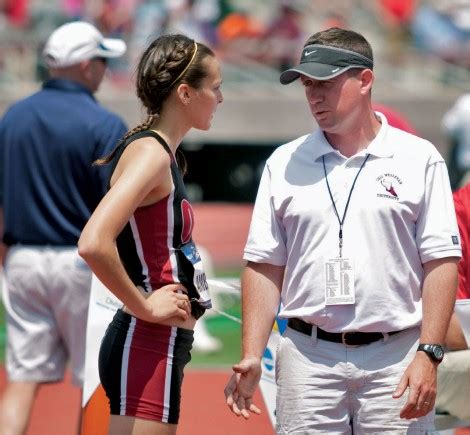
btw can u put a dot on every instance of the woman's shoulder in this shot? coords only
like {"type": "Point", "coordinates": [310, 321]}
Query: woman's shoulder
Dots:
{"type": "Point", "coordinates": [147, 149]}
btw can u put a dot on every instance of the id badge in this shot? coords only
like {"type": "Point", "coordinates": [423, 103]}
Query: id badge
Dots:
{"type": "Point", "coordinates": [199, 280]}
{"type": "Point", "coordinates": [339, 281]}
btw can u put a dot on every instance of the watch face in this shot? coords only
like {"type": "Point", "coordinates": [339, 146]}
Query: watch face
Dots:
{"type": "Point", "coordinates": [434, 351]}
{"type": "Point", "coordinates": [438, 352]}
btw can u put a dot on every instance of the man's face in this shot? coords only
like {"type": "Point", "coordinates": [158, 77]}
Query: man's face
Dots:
{"type": "Point", "coordinates": [334, 102]}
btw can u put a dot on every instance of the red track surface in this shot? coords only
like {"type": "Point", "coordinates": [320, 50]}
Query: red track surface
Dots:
{"type": "Point", "coordinates": [203, 408]}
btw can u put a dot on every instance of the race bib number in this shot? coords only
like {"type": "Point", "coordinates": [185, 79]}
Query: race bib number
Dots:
{"type": "Point", "coordinates": [199, 280]}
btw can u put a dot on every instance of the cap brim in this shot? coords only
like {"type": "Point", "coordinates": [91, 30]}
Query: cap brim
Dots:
{"type": "Point", "coordinates": [317, 71]}
{"type": "Point", "coordinates": [112, 48]}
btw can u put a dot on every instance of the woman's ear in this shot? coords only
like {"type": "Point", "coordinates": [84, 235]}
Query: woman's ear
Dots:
{"type": "Point", "coordinates": [184, 93]}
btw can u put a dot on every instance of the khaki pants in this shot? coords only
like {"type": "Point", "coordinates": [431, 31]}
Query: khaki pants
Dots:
{"type": "Point", "coordinates": [45, 292]}
{"type": "Point", "coordinates": [330, 388]}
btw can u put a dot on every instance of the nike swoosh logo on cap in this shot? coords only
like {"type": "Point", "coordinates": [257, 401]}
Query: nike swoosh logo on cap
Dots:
{"type": "Point", "coordinates": [308, 53]}
{"type": "Point", "coordinates": [334, 70]}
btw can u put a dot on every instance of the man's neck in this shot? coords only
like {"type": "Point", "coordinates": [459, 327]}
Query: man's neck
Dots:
{"type": "Point", "coordinates": [357, 138]}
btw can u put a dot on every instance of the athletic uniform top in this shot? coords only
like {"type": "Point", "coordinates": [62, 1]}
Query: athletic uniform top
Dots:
{"type": "Point", "coordinates": [156, 246]}
{"type": "Point", "coordinates": [48, 143]}
{"type": "Point", "coordinates": [400, 216]}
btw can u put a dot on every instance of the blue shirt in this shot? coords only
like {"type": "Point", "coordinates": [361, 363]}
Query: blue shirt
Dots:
{"type": "Point", "coordinates": [48, 143]}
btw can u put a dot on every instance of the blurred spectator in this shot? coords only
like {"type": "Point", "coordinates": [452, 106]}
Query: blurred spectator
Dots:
{"type": "Point", "coordinates": [453, 375]}
{"type": "Point", "coordinates": [16, 12]}
{"type": "Point", "coordinates": [442, 28]}
{"type": "Point", "coordinates": [74, 9]}
{"type": "Point", "coordinates": [114, 17]}
{"type": "Point", "coordinates": [462, 210]}
{"type": "Point", "coordinates": [283, 39]}
{"type": "Point", "coordinates": [456, 125]}
{"type": "Point", "coordinates": [395, 118]}
{"type": "Point", "coordinates": [195, 18]}
{"type": "Point", "coordinates": [395, 17]}
{"type": "Point", "coordinates": [240, 36]}
{"type": "Point", "coordinates": [48, 190]}
{"type": "Point", "coordinates": [334, 19]}
{"type": "Point", "coordinates": [150, 20]}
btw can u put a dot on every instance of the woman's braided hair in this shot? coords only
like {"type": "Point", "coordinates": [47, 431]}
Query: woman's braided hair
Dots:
{"type": "Point", "coordinates": [168, 61]}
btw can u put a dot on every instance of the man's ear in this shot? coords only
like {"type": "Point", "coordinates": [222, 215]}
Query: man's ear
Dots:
{"type": "Point", "coordinates": [367, 79]}
{"type": "Point", "coordinates": [184, 93]}
{"type": "Point", "coordinates": [85, 68]}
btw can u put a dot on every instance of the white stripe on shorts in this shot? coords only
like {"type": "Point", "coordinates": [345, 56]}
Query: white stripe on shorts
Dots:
{"type": "Point", "coordinates": [169, 369]}
{"type": "Point", "coordinates": [125, 365]}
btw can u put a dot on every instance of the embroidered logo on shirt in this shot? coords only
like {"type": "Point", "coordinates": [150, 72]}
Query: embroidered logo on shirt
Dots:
{"type": "Point", "coordinates": [455, 240]}
{"type": "Point", "coordinates": [390, 185]}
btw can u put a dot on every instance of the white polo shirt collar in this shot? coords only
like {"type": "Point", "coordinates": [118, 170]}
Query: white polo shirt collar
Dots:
{"type": "Point", "coordinates": [378, 147]}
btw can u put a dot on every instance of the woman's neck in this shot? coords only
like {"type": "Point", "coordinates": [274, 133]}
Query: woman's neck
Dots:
{"type": "Point", "coordinates": [170, 130]}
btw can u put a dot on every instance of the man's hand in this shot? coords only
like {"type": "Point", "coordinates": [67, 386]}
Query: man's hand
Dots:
{"type": "Point", "coordinates": [420, 377]}
{"type": "Point", "coordinates": [242, 386]}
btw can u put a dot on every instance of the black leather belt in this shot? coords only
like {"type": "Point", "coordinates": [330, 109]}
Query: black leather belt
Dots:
{"type": "Point", "coordinates": [348, 338]}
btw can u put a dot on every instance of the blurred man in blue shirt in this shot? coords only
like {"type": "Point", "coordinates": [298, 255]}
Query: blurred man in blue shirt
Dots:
{"type": "Point", "coordinates": [48, 189]}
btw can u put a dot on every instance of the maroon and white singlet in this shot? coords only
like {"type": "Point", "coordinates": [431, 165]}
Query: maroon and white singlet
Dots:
{"type": "Point", "coordinates": [141, 364]}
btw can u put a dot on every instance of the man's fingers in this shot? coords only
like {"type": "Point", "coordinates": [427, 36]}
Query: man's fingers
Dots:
{"type": "Point", "coordinates": [252, 407]}
{"type": "Point", "coordinates": [240, 368]}
{"type": "Point", "coordinates": [409, 409]}
{"type": "Point", "coordinates": [255, 409]}
{"type": "Point", "coordinates": [401, 388]}
{"type": "Point", "coordinates": [242, 407]}
{"type": "Point", "coordinates": [235, 408]}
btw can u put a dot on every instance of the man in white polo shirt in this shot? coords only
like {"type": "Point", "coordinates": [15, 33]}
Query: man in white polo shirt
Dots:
{"type": "Point", "coordinates": [354, 232]}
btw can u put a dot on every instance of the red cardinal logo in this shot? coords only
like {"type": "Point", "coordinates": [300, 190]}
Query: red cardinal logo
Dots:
{"type": "Point", "coordinates": [388, 187]}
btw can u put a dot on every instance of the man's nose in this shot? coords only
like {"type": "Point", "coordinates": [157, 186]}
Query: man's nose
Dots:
{"type": "Point", "coordinates": [314, 96]}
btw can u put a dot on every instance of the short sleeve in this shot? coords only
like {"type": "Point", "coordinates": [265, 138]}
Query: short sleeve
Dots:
{"type": "Point", "coordinates": [437, 234]}
{"type": "Point", "coordinates": [267, 237]}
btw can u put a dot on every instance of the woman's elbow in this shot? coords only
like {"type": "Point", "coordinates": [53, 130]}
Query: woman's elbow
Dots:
{"type": "Point", "coordinates": [88, 247]}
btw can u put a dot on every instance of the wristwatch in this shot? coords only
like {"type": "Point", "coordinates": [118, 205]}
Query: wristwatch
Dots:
{"type": "Point", "coordinates": [435, 351]}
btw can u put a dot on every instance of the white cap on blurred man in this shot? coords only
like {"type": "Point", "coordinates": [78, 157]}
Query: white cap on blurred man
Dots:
{"type": "Point", "coordinates": [75, 42]}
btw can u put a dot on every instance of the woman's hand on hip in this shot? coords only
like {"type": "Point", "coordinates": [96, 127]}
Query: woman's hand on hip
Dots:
{"type": "Point", "coordinates": [170, 301]}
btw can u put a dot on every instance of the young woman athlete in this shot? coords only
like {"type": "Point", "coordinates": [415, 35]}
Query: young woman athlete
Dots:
{"type": "Point", "coordinates": [138, 241]}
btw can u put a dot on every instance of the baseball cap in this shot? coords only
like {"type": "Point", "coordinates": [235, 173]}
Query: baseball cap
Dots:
{"type": "Point", "coordinates": [75, 42]}
{"type": "Point", "coordinates": [322, 62]}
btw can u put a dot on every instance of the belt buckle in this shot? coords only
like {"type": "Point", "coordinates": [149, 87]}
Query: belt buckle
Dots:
{"type": "Point", "coordinates": [344, 339]}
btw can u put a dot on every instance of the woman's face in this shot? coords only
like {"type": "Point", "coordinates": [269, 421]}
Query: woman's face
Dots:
{"type": "Point", "coordinates": [205, 99]}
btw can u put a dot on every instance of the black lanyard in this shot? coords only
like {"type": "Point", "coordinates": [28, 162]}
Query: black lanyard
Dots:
{"type": "Point", "coordinates": [341, 221]}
